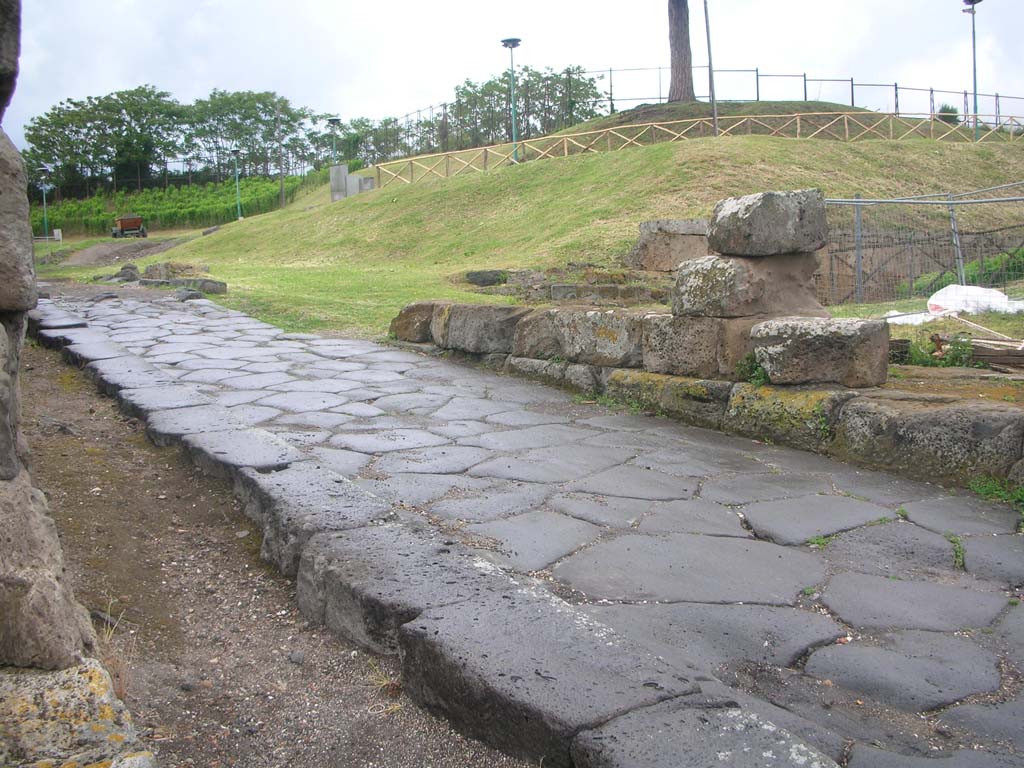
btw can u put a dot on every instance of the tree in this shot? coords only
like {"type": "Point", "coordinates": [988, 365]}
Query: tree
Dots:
{"type": "Point", "coordinates": [681, 88]}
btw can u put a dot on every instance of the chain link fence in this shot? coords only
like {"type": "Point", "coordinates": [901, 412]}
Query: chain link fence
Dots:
{"type": "Point", "coordinates": [887, 250]}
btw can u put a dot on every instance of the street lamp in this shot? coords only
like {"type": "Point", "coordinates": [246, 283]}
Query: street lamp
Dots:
{"type": "Point", "coordinates": [711, 74]}
{"type": "Point", "coordinates": [974, 56]}
{"type": "Point", "coordinates": [335, 122]}
{"type": "Point", "coordinates": [238, 193]}
{"type": "Point", "coordinates": [512, 43]}
{"type": "Point", "coordinates": [44, 186]}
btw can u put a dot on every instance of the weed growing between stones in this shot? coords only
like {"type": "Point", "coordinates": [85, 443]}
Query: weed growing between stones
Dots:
{"type": "Point", "coordinates": [820, 541]}
{"type": "Point", "coordinates": [996, 489]}
{"type": "Point", "coordinates": [958, 550]}
{"type": "Point", "coordinates": [901, 513]}
{"type": "Point", "coordinates": [748, 369]}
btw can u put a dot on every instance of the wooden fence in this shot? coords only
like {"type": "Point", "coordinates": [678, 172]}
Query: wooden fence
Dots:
{"type": "Point", "coordinates": [835, 126]}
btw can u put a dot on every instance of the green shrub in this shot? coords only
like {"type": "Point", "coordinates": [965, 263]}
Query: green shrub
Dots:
{"type": "Point", "coordinates": [948, 114]}
{"type": "Point", "coordinates": [748, 369]}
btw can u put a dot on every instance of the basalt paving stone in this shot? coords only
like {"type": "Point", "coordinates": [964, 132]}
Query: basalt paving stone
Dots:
{"type": "Point", "coordinates": [172, 359]}
{"type": "Point", "coordinates": [82, 354]}
{"type": "Point", "coordinates": [139, 402]}
{"type": "Point", "coordinates": [609, 511]}
{"type": "Point", "coordinates": [470, 408]}
{"type": "Point", "coordinates": [880, 487]}
{"type": "Point", "coordinates": [389, 356]}
{"type": "Point", "coordinates": [999, 558]}
{"type": "Point", "coordinates": [527, 394]}
{"type": "Point", "coordinates": [314, 419]}
{"type": "Point", "coordinates": [640, 441]}
{"type": "Point", "coordinates": [60, 337]}
{"type": "Point", "coordinates": [490, 500]}
{"type": "Point", "coordinates": [794, 521]}
{"type": "Point", "coordinates": [1010, 631]}
{"type": "Point", "coordinates": [460, 428]}
{"type": "Point", "coordinates": [618, 422]}
{"type": "Point", "coordinates": [296, 357]}
{"type": "Point", "coordinates": [455, 391]}
{"type": "Point", "coordinates": [898, 549]}
{"type": "Point", "coordinates": [128, 338]}
{"type": "Point", "coordinates": [345, 463]}
{"type": "Point", "coordinates": [523, 439]}
{"type": "Point", "coordinates": [742, 489]}
{"type": "Point", "coordinates": [410, 401]}
{"type": "Point", "coordinates": [300, 402]}
{"type": "Point", "coordinates": [691, 568]}
{"type": "Point", "coordinates": [419, 490]}
{"type": "Point", "coordinates": [358, 410]}
{"type": "Point", "coordinates": [526, 418]}
{"type": "Point", "coordinates": [223, 454]}
{"type": "Point", "coordinates": [675, 734]}
{"type": "Point", "coordinates": [387, 441]}
{"type": "Point", "coordinates": [334, 366]}
{"type": "Point", "coordinates": [373, 377]}
{"type": "Point", "coordinates": [119, 373]}
{"type": "Point", "coordinates": [864, 756]}
{"type": "Point", "coordinates": [963, 515]}
{"type": "Point", "coordinates": [164, 427]}
{"type": "Point", "coordinates": [202, 364]}
{"type": "Point", "coordinates": [878, 602]}
{"type": "Point", "coordinates": [332, 386]}
{"type": "Point", "coordinates": [400, 387]}
{"type": "Point", "coordinates": [526, 672]}
{"type": "Point", "coordinates": [263, 367]}
{"type": "Point", "coordinates": [698, 462]}
{"type": "Point", "coordinates": [445, 460]}
{"type": "Point", "coordinates": [249, 414]}
{"type": "Point", "coordinates": [693, 516]}
{"type": "Point", "coordinates": [237, 351]}
{"type": "Point", "coordinates": [709, 636]}
{"type": "Point", "coordinates": [298, 502]}
{"type": "Point", "coordinates": [209, 375]}
{"type": "Point", "coordinates": [635, 483]}
{"type": "Point", "coordinates": [233, 397]}
{"type": "Point", "coordinates": [365, 583]}
{"type": "Point", "coordinates": [178, 349]}
{"type": "Point", "coordinates": [305, 438]}
{"type": "Point", "coordinates": [383, 423]}
{"type": "Point", "coordinates": [911, 670]}
{"type": "Point", "coordinates": [534, 540]}
{"type": "Point", "coordinates": [257, 380]}
{"type": "Point", "coordinates": [553, 465]}
{"type": "Point", "coordinates": [996, 721]}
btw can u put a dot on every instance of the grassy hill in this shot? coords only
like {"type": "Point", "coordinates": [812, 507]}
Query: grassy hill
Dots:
{"type": "Point", "coordinates": [349, 266]}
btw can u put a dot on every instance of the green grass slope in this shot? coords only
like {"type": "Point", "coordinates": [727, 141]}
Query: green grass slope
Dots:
{"type": "Point", "coordinates": [349, 266]}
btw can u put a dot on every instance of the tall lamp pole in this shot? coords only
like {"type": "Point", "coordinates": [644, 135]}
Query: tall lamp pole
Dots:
{"type": "Point", "coordinates": [238, 192]}
{"type": "Point", "coordinates": [711, 73]}
{"type": "Point", "coordinates": [335, 122]}
{"type": "Point", "coordinates": [512, 43]}
{"type": "Point", "coordinates": [44, 186]}
{"type": "Point", "coordinates": [974, 56]}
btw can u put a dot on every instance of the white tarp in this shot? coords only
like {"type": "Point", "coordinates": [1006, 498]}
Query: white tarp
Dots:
{"type": "Point", "coordinates": [958, 298]}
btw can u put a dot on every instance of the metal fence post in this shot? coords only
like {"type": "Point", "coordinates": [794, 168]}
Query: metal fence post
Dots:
{"type": "Point", "coordinates": [805, 86]}
{"type": "Point", "coordinates": [858, 241]}
{"type": "Point", "coordinates": [611, 93]}
{"type": "Point", "coordinates": [757, 83]}
{"type": "Point", "coordinates": [853, 95]}
{"type": "Point", "coordinates": [896, 88]}
{"type": "Point", "coordinates": [957, 248]}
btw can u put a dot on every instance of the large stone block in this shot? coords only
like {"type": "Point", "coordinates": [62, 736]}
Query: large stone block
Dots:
{"type": "Point", "coordinates": [538, 336]}
{"type": "Point", "coordinates": [800, 418]}
{"type": "Point", "coordinates": [482, 329]}
{"type": "Point", "coordinates": [664, 245]}
{"type": "Point", "coordinates": [41, 625]}
{"type": "Point", "coordinates": [10, 38]}
{"type": "Point", "coordinates": [700, 402]}
{"type": "Point", "coordinates": [607, 338]}
{"type": "Point", "coordinates": [769, 223]}
{"type": "Point", "coordinates": [727, 286]}
{"type": "Point", "coordinates": [804, 350]}
{"type": "Point", "coordinates": [412, 323]}
{"type": "Point", "coordinates": [958, 441]}
{"type": "Point", "coordinates": [695, 346]}
{"type": "Point", "coordinates": [17, 271]}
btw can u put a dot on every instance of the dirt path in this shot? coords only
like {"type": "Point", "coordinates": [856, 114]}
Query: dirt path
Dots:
{"type": "Point", "coordinates": [117, 251]}
{"type": "Point", "coordinates": [213, 657]}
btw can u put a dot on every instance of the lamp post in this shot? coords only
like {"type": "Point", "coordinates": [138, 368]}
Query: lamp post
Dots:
{"type": "Point", "coordinates": [512, 43]}
{"type": "Point", "coordinates": [974, 57]}
{"type": "Point", "coordinates": [45, 187]}
{"type": "Point", "coordinates": [238, 191]}
{"type": "Point", "coordinates": [335, 122]}
{"type": "Point", "coordinates": [711, 73]}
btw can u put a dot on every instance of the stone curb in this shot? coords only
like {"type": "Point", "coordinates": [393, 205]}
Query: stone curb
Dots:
{"type": "Point", "coordinates": [506, 662]}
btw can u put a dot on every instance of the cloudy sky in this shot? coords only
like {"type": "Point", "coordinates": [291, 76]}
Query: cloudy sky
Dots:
{"type": "Point", "coordinates": [389, 58]}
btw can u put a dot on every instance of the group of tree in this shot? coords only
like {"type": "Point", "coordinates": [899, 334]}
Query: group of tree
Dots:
{"type": "Point", "coordinates": [142, 137]}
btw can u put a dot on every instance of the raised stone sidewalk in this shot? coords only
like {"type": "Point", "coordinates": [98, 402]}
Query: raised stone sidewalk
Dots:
{"type": "Point", "coordinates": [581, 586]}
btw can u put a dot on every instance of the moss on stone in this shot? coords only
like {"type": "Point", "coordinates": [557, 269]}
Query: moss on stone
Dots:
{"type": "Point", "coordinates": [798, 417]}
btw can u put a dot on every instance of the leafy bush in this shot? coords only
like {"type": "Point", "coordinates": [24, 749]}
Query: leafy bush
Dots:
{"type": "Point", "coordinates": [990, 270]}
{"type": "Point", "coordinates": [748, 369]}
{"type": "Point", "coordinates": [948, 114]}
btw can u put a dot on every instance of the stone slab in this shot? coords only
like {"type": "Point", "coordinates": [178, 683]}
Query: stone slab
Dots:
{"type": "Point", "coordinates": [693, 516]}
{"type": "Point", "coordinates": [963, 515]}
{"type": "Point", "coordinates": [223, 454]}
{"type": "Point", "coordinates": [606, 511]}
{"type": "Point", "coordinates": [864, 756]}
{"type": "Point", "coordinates": [769, 223]}
{"type": "Point", "coordinates": [167, 427]}
{"type": "Point", "coordinates": [999, 558]}
{"type": "Point", "coordinates": [530, 437]}
{"type": "Point", "coordinates": [898, 549]}
{"type": "Point", "coordinates": [534, 540]}
{"type": "Point", "coordinates": [635, 483]}
{"type": "Point", "coordinates": [694, 568]}
{"type": "Point", "coordinates": [130, 372]}
{"type": "Point", "coordinates": [490, 501]}
{"type": "Point", "coordinates": [86, 352]}
{"type": "Point", "coordinates": [794, 521]}
{"type": "Point", "coordinates": [553, 465]}
{"type": "Point", "coordinates": [996, 721]}
{"type": "Point", "coordinates": [140, 402]}
{"type": "Point", "coordinates": [387, 441]}
{"type": "Point", "coordinates": [746, 488]}
{"type": "Point", "coordinates": [440, 460]}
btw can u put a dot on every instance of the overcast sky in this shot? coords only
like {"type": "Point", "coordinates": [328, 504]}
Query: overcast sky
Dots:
{"type": "Point", "coordinates": [378, 59]}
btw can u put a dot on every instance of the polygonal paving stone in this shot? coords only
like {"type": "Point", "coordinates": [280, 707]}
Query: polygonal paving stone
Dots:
{"type": "Point", "coordinates": [442, 460]}
{"type": "Point", "coordinates": [373, 377]}
{"type": "Point", "coordinates": [192, 350]}
{"type": "Point", "coordinates": [329, 368]}
{"type": "Point", "coordinates": [618, 422]}
{"type": "Point", "coordinates": [301, 402]}
{"type": "Point", "coordinates": [866, 601]}
{"type": "Point", "coordinates": [693, 516]}
{"type": "Point", "coordinates": [963, 515]}
{"type": "Point", "coordinates": [527, 672]}
{"type": "Point", "coordinates": [693, 568]}
{"type": "Point", "coordinates": [87, 352]}
{"type": "Point", "coordinates": [531, 541]}
{"type": "Point", "coordinates": [257, 380]}
{"type": "Point", "coordinates": [996, 721]}
{"type": "Point", "coordinates": [381, 423]}
{"type": "Point", "coordinates": [911, 670]}
{"type": "Point", "coordinates": [601, 510]}
{"type": "Point", "coordinates": [314, 419]}
{"type": "Point", "coordinates": [253, 414]}
{"type": "Point", "coordinates": [999, 558]}
{"type": "Point", "coordinates": [794, 521]}
{"type": "Point", "coordinates": [209, 375]}
{"type": "Point", "coordinates": [882, 488]}
{"type": "Point", "coordinates": [302, 438]}
{"type": "Point", "coordinates": [460, 428]}
{"type": "Point", "coordinates": [553, 465]}
{"type": "Point", "coordinates": [698, 462]}
{"type": "Point", "coordinates": [359, 410]}
{"type": "Point", "coordinates": [1011, 632]}
{"type": "Point", "coordinates": [409, 401]}
{"type": "Point", "coordinates": [385, 442]}
{"type": "Point", "coordinates": [221, 454]}
{"type": "Point", "coordinates": [231, 397]}
{"type": "Point", "coordinates": [519, 418]}
{"type": "Point", "coordinates": [864, 756]}
{"type": "Point", "coordinates": [709, 636]}
{"type": "Point", "coordinates": [524, 439]}
{"type": "Point", "coordinates": [118, 373]}
{"type": "Point", "coordinates": [320, 385]}
{"type": "Point", "coordinates": [492, 501]}
{"type": "Point", "coordinates": [201, 364]}
{"type": "Point", "coordinates": [418, 490]}
{"type": "Point", "coordinates": [163, 427]}
{"type": "Point", "coordinates": [677, 734]}
{"type": "Point", "coordinates": [139, 402]}
{"type": "Point", "coordinates": [635, 483]}
{"type": "Point", "coordinates": [526, 393]}
{"type": "Point", "coordinates": [898, 549]}
{"type": "Point", "coordinates": [274, 367]}
{"type": "Point", "coordinates": [743, 489]}
{"type": "Point", "coordinates": [463, 408]}
{"type": "Point", "coordinates": [172, 359]}
{"type": "Point", "coordinates": [345, 463]}
{"type": "Point", "coordinates": [640, 441]}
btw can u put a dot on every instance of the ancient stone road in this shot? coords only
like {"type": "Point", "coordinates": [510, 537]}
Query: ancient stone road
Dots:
{"type": "Point", "coordinates": [873, 617]}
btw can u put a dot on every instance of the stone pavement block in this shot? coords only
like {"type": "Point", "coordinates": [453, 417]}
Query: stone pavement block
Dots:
{"type": "Point", "coordinates": [223, 454]}
{"type": "Point", "coordinates": [534, 540]}
{"type": "Point", "coordinates": [709, 636]}
{"type": "Point", "coordinates": [467, 408]}
{"type": "Point", "coordinates": [693, 516]}
{"type": "Point", "coordinates": [601, 510]}
{"type": "Point", "coordinates": [636, 483]}
{"type": "Point", "coordinates": [314, 419]}
{"type": "Point", "coordinates": [345, 463]}
{"type": "Point", "coordinates": [417, 490]}
{"type": "Point", "coordinates": [442, 460]}
{"type": "Point", "coordinates": [56, 338]}
{"type": "Point", "coordinates": [1011, 631]}
{"type": "Point", "coordinates": [490, 501]}
{"type": "Point", "coordinates": [129, 372]}
{"type": "Point", "coordinates": [881, 488]}
{"type": "Point", "coordinates": [877, 602]}
{"type": "Point", "coordinates": [699, 461]}
{"type": "Point", "coordinates": [864, 756]}
{"type": "Point", "coordinates": [250, 415]}
{"type": "Point", "coordinates": [553, 465]}
{"type": "Point", "coordinates": [296, 503]}
{"type": "Point", "coordinates": [140, 402]}
{"type": "Point", "coordinates": [365, 583]}
{"type": "Point", "coordinates": [898, 549]}
{"type": "Point", "coordinates": [547, 672]}
{"type": "Point", "coordinates": [746, 488]}
{"type": "Point", "coordinates": [702, 569]}
{"type": "Point", "coordinates": [675, 734]}
{"type": "Point", "coordinates": [794, 521]}
{"type": "Point", "coordinates": [997, 721]}
{"type": "Point", "coordinates": [166, 427]}
{"type": "Point", "coordinates": [523, 439]}
{"type": "Point", "coordinates": [911, 670]}
{"type": "Point", "coordinates": [387, 441]}
{"type": "Point", "coordinates": [301, 402]}
{"type": "Point", "coordinates": [86, 352]}
{"type": "Point", "coordinates": [963, 515]}
{"type": "Point", "coordinates": [999, 558]}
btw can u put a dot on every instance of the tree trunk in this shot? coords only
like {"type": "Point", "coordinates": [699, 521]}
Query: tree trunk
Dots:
{"type": "Point", "coordinates": [681, 88]}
